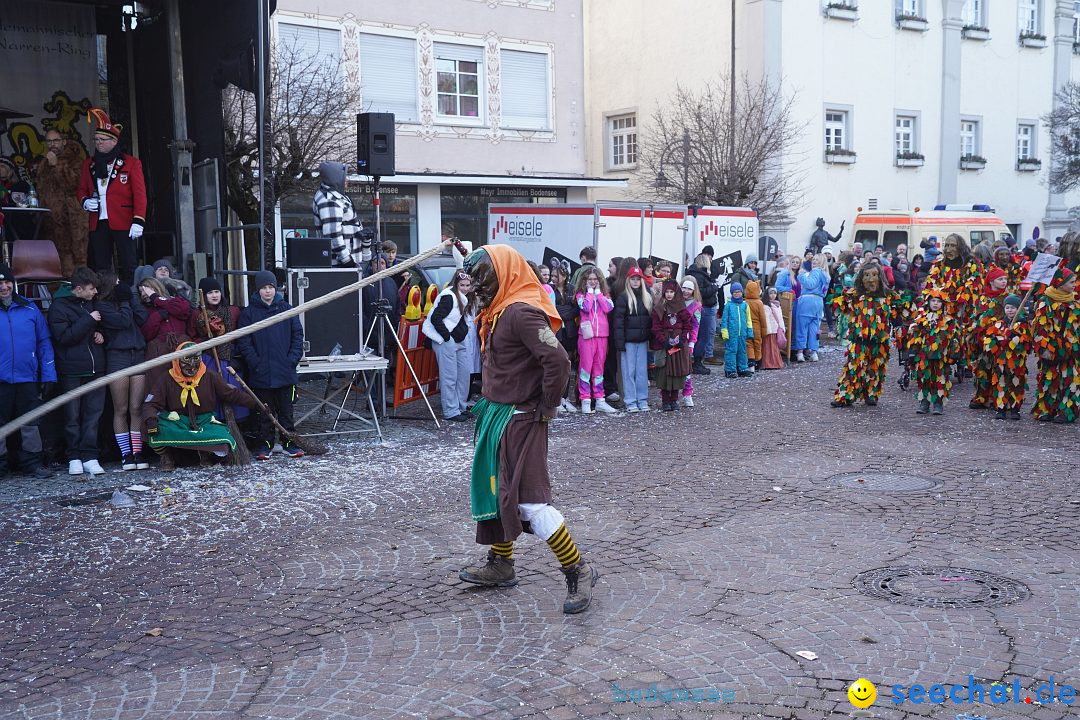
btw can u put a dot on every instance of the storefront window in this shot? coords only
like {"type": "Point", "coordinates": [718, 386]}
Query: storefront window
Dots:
{"type": "Point", "coordinates": [466, 207]}
{"type": "Point", "coordinates": [398, 216]}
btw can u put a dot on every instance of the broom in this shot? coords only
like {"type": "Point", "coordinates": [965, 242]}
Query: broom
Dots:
{"type": "Point", "coordinates": [310, 446]}
{"type": "Point", "coordinates": [241, 455]}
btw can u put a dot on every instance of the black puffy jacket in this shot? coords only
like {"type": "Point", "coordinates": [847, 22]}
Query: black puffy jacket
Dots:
{"type": "Point", "coordinates": [568, 311]}
{"type": "Point", "coordinates": [272, 353]}
{"type": "Point", "coordinates": [630, 327]}
{"type": "Point", "coordinates": [72, 329]}
{"type": "Point", "coordinates": [705, 285]}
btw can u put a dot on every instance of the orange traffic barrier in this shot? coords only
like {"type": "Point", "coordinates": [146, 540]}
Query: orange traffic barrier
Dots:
{"type": "Point", "coordinates": [422, 359]}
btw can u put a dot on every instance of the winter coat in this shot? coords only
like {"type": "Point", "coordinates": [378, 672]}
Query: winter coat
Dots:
{"type": "Point", "coordinates": [774, 319]}
{"type": "Point", "coordinates": [631, 327]}
{"type": "Point", "coordinates": [370, 295]}
{"type": "Point", "coordinates": [72, 330]}
{"type": "Point", "coordinates": [756, 307]}
{"type": "Point", "coordinates": [663, 329]}
{"type": "Point", "coordinates": [271, 354]}
{"type": "Point", "coordinates": [26, 351]}
{"type": "Point", "coordinates": [165, 316]}
{"type": "Point", "coordinates": [120, 324]}
{"type": "Point", "coordinates": [568, 312]}
{"type": "Point", "coordinates": [705, 285]}
{"type": "Point", "coordinates": [737, 321]}
{"type": "Point", "coordinates": [594, 309]}
{"type": "Point", "coordinates": [447, 320]}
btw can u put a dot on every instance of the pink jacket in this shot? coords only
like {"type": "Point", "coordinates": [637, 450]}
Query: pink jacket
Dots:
{"type": "Point", "coordinates": [594, 309]}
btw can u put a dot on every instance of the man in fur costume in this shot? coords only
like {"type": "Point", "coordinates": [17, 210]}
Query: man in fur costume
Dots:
{"type": "Point", "coordinates": [525, 372]}
{"type": "Point", "coordinates": [1057, 346]}
{"type": "Point", "coordinates": [57, 186]}
{"type": "Point", "coordinates": [179, 410]}
{"type": "Point", "coordinates": [1007, 341]}
{"type": "Point", "coordinates": [868, 306]}
{"type": "Point", "coordinates": [933, 341]}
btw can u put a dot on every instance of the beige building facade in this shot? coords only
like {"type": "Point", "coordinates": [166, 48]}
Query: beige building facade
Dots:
{"type": "Point", "coordinates": [902, 103]}
{"type": "Point", "coordinates": [488, 98]}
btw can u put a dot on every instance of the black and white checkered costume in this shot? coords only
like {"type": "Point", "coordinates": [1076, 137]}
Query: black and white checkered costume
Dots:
{"type": "Point", "coordinates": [336, 219]}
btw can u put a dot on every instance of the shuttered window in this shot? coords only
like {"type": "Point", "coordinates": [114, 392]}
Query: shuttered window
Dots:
{"type": "Point", "coordinates": [388, 75]}
{"type": "Point", "coordinates": [526, 96]}
{"type": "Point", "coordinates": [306, 44]}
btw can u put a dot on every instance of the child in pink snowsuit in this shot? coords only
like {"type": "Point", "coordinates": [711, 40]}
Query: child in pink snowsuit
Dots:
{"type": "Point", "coordinates": [594, 305]}
{"type": "Point", "coordinates": [692, 296]}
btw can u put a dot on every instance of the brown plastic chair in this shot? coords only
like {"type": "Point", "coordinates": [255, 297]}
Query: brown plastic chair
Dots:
{"type": "Point", "coordinates": [35, 263]}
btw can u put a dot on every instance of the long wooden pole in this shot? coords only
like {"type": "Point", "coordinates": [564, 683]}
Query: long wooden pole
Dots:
{"type": "Point", "coordinates": [103, 381]}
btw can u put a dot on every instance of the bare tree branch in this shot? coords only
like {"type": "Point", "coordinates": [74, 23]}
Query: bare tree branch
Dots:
{"type": "Point", "coordinates": [764, 172]}
{"type": "Point", "coordinates": [310, 112]}
{"type": "Point", "coordinates": [1064, 125]}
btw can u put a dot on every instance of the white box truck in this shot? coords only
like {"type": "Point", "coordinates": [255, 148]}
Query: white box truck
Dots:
{"type": "Point", "coordinates": [676, 233]}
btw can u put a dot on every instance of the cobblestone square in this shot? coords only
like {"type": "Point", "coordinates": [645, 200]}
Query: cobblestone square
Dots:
{"type": "Point", "coordinates": [731, 537]}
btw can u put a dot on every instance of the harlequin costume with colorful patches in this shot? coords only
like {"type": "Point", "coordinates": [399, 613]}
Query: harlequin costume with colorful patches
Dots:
{"type": "Point", "coordinates": [933, 340]}
{"type": "Point", "coordinates": [1007, 340]}
{"type": "Point", "coordinates": [869, 310]}
{"type": "Point", "coordinates": [525, 373]}
{"type": "Point", "coordinates": [992, 295]}
{"type": "Point", "coordinates": [960, 277]}
{"type": "Point", "coordinates": [903, 310]}
{"type": "Point", "coordinates": [1056, 330]}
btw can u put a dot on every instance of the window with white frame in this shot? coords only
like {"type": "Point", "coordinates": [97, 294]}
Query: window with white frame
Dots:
{"type": "Point", "coordinates": [975, 13]}
{"type": "Point", "coordinates": [1076, 22]}
{"type": "Point", "coordinates": [969, 138]}
{"type": "Point", "coordinates": [836, 130]}
{"type": "Point", "coordinates": [1025, 141]}
{"type": "Point", "coordinates": [310, 47]}
{"type": "Point", "coordinates": [905, 135]}
{"type": "Point", "coordinates": [388, 75]}
{"type": "Point", "coordinates": [525, 87]}
{"type": "Point", "coordinates": [1029, 14]}
{"type": "Point", "coordinates": [622, 134]}
{"type": "Point", "coordinates": [458, 80]}
{"type": "Point", "coordinates": [910, 8]}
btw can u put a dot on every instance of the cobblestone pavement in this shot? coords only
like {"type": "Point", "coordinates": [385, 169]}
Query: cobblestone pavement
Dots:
{"type": "Point", "coordinates": [730, 538]}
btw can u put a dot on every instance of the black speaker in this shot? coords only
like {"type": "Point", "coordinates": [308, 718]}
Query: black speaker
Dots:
{"type": "Point", "coordinates": [375, 144]}
{"type": "Point", "coordinates": [334, 323]}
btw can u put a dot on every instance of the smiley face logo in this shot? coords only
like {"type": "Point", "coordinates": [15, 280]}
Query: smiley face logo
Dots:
{"type": "Point", "coordinates": [862, 693]}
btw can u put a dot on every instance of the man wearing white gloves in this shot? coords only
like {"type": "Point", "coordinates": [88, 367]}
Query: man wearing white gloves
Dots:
{"type": "Point", "coordinates": [113, 192]}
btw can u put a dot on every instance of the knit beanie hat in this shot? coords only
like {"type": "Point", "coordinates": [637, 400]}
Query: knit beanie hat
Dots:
{"type": "Point", "coordinates": [1062, 276]}
{"type": "Point", "coordinates": [994, 273]}
{"type": "Point", "coordinates": [5, 273]}
{"type": "Point", "coordinates": [264, 278]}
{"type": "Point", "coordinates": [1013, 300]}
{"type": "Point", "coordinates": [736, 287]}
{"type": "Point", "coordinates": [1010, 242]}
{"type": "Point", "coordinates": [689, 284]}
{"type": "Point", "coordinates": [209, 285]}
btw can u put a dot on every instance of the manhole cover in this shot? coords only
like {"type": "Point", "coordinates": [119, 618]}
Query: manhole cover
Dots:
{"type": "Point", "coordinates": [885, 482]}
{"type": "Point", "coordinates": [941, 587]}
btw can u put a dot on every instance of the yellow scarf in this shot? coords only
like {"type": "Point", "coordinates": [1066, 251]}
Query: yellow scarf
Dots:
{"type": "Point", "coordinates": [187, 384]}
{"type": "Point", "coordinates": [1058, 295]}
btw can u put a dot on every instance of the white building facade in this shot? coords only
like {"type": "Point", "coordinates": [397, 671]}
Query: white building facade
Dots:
{"type": "Point", "coordinates": [488, 98]}
{"type": "Point", "coordinates": [904, 103]}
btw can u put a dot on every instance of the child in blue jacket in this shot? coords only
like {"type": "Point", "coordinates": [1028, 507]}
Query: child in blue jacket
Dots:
{"type": "Point", "coordinates": [736, 328]}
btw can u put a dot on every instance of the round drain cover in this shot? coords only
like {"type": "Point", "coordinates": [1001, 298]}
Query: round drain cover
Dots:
{"type": "Point", "coordinates": [941, 587]}
{"type": "Point", "coordinates": [885, 482]}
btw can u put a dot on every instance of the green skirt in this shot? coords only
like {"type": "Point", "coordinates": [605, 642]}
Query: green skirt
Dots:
{"type": "Point", "coordinates": [178, 432]}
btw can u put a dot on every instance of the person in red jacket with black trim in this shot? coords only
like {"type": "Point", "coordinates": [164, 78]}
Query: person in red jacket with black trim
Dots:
{"type": "Point", "coordinates": [113, 192]}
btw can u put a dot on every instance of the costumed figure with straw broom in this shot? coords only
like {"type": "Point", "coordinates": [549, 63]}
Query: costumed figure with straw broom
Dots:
{"type": "Point", "coordinates": [179, 410]}
{"type": "Point", "coordinates": [525, 373]}
{"type": "Point", "coordinates": [213, 319]}
{"type": "Point", "coordinates": [1056, 328]}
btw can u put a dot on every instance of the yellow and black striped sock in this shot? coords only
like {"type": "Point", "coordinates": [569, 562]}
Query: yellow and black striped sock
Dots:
{"type": "Point", "coordinates": [504, 549]}
{"type": "Point", "coordinates": [563, 546]}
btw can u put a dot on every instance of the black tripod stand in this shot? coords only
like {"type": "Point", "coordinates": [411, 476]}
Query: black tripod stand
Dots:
{"type": "Point", "coordinates": [382, 321]}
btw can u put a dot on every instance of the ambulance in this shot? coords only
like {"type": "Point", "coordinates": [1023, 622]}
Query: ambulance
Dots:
{"type": "Point", "coordinates": [975, 223]}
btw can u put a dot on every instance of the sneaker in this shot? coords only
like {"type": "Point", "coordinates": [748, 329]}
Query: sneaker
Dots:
{"type": "Point", "coordinates": [613, 397]}
{"type": "Point", "coordinates": [923, 408]}
{"type": "Point", "coordinates": [999, 415]}
{"type": "Point", "coordinates": [93, 467]}
{"type": "Point", "coordinates": [633, 408]}
{"type": "Point", "coordinates": [688, 401]}
{"type": "Point", "coordinates": [799, 357]}
{"type": "Point", "coordinates": [938, 409]}
{"type": "Point", "coordinates": [140, 462]}
{"type": "Point", "coordinates": [40, 473]}
{"type": "Point", "coordinates": [265, 451]}
{"type": "Point", "coordinates": [276, 449]}
{"type": "Point", "coordinates": [698, 368]}
{"type": "Point", "coordinates": [813, 356]}
{"type": "Point", "coordinates": [714, 361]}
{"type": "Point", "coordinates": [586, 407]}
{"type": "Point", "coordinates": [731, 375]}
{"type": "Point", "coordinates": [128, 463]}
{"type": "Point", "coordinates": [294, 451]}
{"type": "Point", "coordinates": [566, 406]}
{"type": "Point", "coordinates": [602, 406]}
{"type": "Point", "coordinates": [644, 407]}
{"type": "Point", "coordinates": [75, 467]}
{"type": "Point", "coordinates": [668, 407]}
{"type": "Point", "coordinates": [746, 373]}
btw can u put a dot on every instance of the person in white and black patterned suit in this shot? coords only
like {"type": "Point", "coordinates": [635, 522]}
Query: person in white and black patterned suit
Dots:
{"type": "Point", "coordinates": [336, 219]}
